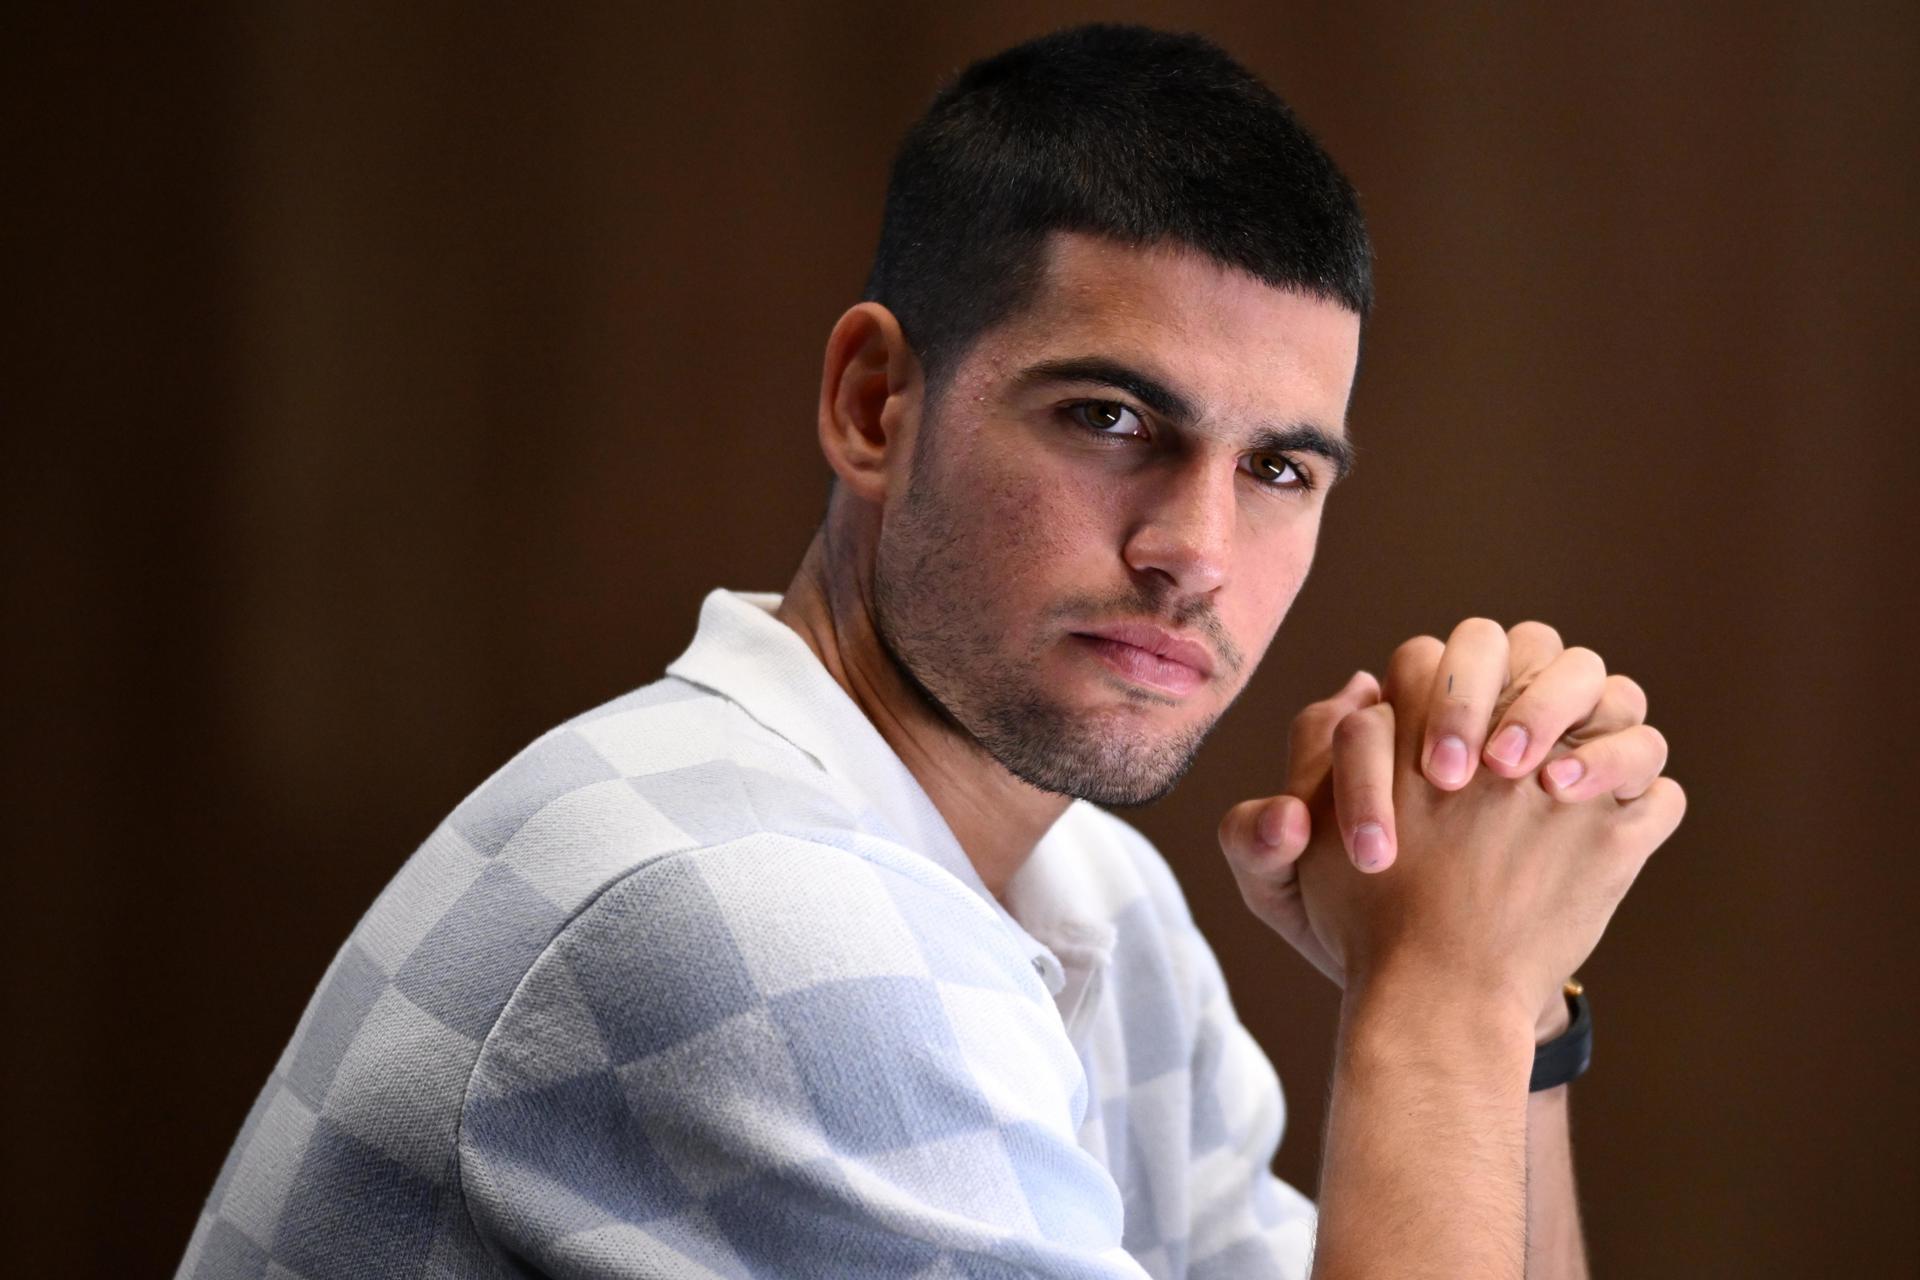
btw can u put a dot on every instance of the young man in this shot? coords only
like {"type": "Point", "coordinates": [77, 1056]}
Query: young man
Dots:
{"type": "Point", "coordinates": [816, 957]}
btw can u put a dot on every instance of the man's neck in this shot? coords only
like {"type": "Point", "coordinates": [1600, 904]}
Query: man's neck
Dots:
{"type": "Point", "coordinates": [996, 817]}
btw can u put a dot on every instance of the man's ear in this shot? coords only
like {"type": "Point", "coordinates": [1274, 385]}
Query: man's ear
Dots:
{"type": "Point", "coordinates": [869, 401]}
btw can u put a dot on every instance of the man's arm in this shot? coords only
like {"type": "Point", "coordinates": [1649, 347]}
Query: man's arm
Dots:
{"type": "Point", "coordinates": [1424, 1166]}
{"type": "Point", "coordinates": [1461, 1068]}
{"type": "Point", "coordinates": [781, 1057]}
{"type": "Point", "coordinates": [1435, 1150]}
{"type": "Point", "coordinates": [1554, 1246]}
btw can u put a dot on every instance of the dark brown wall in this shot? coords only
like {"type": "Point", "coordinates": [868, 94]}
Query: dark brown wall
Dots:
{"type": "Point", "coordinates": [387, 386]}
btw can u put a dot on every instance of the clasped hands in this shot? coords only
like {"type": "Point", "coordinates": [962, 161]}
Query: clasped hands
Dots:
{"type": "Point", "coordinates": [1473, 821]}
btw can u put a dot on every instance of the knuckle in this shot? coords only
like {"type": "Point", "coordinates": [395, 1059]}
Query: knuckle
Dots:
{"type": "Point", "coordinates": [1626, 756]}
{"type": "Point", "coordinates": [1478, 628]}
{"type": "Point", "coordinates": [1586, 660]}
{"type": "Point", "coordinates": [1646, 822]}
{"type": "Point", "coordinates": [1656, 743]}
{"type": "Point", "coordinates": [1353, 731]}
{"type": "Point", "coordinates": [1534, 634]}
{"type": "Point", "coordinates": [1227, 832]}
{"type": "Point", "coordinates": [1603, 756]}
{"type": "Point", "coordinates": [1627, 691]}
{"type": "Point", "coordinates": [1411, 667]}
{"type": "Point", "coordinates": [1236, 831]}
{"type": "Point", "coordinates": [1524, 703]}
{"type": "Point", "coordinates": [1416, 650]}
{"type": "Point", "coordinates": [1674, 796]}
{"type": "Point", "coordinates": [1315, 721]}
{"type": "Point", "coordinates": [1232, 841]}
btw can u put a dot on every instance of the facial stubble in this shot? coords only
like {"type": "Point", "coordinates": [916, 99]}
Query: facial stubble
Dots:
{"type": "Point", "coordinates": [930, 594]}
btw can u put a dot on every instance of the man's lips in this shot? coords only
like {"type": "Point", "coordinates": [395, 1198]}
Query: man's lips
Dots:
{"type": "Point", "coordinates": [1146, 653]}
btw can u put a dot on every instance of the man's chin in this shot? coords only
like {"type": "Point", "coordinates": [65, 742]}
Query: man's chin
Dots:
{"type": "Point", "coordinates": [1092, 771]}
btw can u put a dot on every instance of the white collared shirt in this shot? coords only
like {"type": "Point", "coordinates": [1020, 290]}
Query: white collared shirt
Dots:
{"type": "Point", "coordinates": [700, 983]}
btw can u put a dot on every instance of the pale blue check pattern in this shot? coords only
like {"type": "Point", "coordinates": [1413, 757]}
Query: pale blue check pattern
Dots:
{"type": "Point", "coordinates": [699, 984]}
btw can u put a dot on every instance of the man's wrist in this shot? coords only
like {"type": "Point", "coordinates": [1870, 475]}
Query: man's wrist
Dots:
{"type": "Point", "coordinates": [1449, 1029]}
{"type": "Point", "coordinates": [1430, 989]}
{"type": "Point", "coordinates": [1557, 1018]}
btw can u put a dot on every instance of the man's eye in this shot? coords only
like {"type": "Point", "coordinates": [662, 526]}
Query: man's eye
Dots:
{"type": "Point", "coordinates": [1278, 472]}
{"type": "Point", "coordinates": [1105, 417]}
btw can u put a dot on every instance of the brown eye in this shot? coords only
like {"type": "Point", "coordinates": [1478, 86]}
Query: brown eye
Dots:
{"type": "Point", "coordinates": [1278, 472]}
{"type": "Point", "coordinates": [1105, 417]}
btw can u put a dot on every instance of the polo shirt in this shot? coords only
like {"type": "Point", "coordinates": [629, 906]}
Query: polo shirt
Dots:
{"type": "Point", "coordinates": [701, 984]}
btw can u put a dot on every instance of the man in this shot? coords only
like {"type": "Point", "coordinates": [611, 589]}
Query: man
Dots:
{"type": "Point", "coordinates": [816, 957]}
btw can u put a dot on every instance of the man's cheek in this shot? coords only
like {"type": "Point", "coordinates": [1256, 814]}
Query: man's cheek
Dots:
{"type": "Point", "coordinates": [1288, 580]}
{"type": "Point", "coordinates": [1032, 524]}
{"type": "Point", "coordinates": [1293, 563]}
{"type": "Point", "coordinates": [1295, 581]}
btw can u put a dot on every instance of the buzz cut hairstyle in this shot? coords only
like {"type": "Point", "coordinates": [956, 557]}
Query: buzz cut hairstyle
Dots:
{"type": "Point", "coordinates": [1143, 136]}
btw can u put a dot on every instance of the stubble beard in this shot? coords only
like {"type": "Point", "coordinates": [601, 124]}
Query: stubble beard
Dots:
{"type": "Point", "coordinates": [929, 619]}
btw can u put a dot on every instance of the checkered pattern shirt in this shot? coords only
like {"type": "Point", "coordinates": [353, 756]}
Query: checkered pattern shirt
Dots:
{"type": "Point", "coordinates": [700, 984]}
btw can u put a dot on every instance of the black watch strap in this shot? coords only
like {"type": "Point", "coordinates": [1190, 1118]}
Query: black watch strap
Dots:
{"type": "Point", "coordinates": [1566, 1056]}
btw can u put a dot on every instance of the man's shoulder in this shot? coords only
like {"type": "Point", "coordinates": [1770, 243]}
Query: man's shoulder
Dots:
{"type": "Point", "coordinates": [736, 1016]}
{"type": "Point", "coordinates": [791, 926]}
{"type": "Point", "coordinates": [776, 978]}
{"type": "Point", "coordinates": [662, 773]}
{"type": "Point", "coordinates": [636, 886]}
{"type": "Point", "coordinates": [669, 765]}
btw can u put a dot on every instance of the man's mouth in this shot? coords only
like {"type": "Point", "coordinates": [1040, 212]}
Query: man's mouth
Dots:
{"type": "Point", "coordinates": [1147, 655]}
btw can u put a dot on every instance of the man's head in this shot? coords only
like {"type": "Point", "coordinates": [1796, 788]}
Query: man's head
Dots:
{"type": "Point", "coordinates": [1101, 381]}
{"type": "Point", "coordinates": [1137, 135]}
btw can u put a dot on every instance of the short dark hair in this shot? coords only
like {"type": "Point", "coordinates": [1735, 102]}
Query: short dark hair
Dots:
{"type": "Point", "coordinates": [1141, 135]}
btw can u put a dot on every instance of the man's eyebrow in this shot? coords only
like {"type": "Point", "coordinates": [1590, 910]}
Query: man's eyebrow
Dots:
{"type": "Point", "coordinates": [1151, 392]}
{"type": "Point", "coordinates": [1170, 404]}
{"type": "Point", "coordinates": [1307, 438]}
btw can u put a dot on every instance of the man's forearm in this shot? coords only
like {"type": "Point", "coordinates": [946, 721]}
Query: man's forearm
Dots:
{"type": "Point", "coordinates": [1554, 1248]}
{"type": "Point", "coordinates": [1425, 1168]}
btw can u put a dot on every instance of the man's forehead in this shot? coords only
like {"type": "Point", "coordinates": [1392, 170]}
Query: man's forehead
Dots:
{"type": "Point", "coordinates": [1095, 276]}
{"type": "Point", "coordinates": [1226, 338]}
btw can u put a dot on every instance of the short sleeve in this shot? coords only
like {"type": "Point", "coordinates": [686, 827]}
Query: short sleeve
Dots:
{"type": "Point", "coordinates": [774, 1056]}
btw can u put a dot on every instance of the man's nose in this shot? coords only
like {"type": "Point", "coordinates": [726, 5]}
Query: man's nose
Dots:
{"type": "Point", "coordinates": [1186, 530]}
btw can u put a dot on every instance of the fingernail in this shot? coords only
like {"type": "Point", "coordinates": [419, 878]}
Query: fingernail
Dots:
{"type": "Point", "coordinates": [1509, 745]}
{"type": "Point", "coordinates": [1369, 845]}
{"type": "Point", "coordinates": [1565, 772]}
{"type": "Point", "coordinates": [1269, 827]}
{"type": "Point", "coordinates": [1449, 762]}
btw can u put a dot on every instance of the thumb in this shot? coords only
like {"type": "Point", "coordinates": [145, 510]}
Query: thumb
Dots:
{"type": "Point", "coordinates": [1263, 838]}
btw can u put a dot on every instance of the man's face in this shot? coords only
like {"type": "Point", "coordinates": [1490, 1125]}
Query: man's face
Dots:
{"type": "Point", "coordinates": [1098, 460]}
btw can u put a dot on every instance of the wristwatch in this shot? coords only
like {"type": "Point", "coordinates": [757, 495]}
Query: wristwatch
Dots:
{"type": "Point", "coordinates": [1565, 1057]}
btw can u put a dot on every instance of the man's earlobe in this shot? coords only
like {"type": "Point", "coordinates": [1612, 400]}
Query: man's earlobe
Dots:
{"type": "Point", "coordinates": [869, 399]}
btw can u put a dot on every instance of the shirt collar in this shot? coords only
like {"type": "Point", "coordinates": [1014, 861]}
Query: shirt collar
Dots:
{"type": "Point", "coordinates": [744, 653]}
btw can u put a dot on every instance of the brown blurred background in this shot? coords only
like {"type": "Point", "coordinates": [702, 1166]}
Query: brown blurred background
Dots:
{"type": "Point", "coordinates": [387, 386]}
